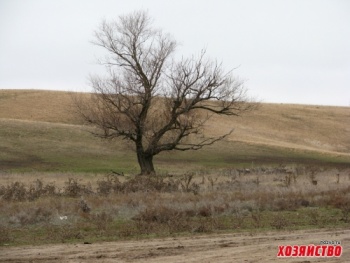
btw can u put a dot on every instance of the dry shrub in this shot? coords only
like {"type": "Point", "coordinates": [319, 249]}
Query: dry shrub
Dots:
{"type": "Point", "coordinates": [314, 216]}
{"type": "Point", "coordinates": [290, 201]}
{"type": "Point", "coordinates": [345, 209]}
{"type": "Point", "coordinates": [108, 185]}
{"type": "Point", "coordinates": [150, 184]}
{"type": "Point", "coordinates": [4, 235]}
{"type": "Point", "coordinates": [341, 200]}
{"type": "Point", "coordinates": [142, 184]}
{"type": "Point", "coordinates": [264, 199]}
{"type": "Point", "coordinates": [83, 206]}
{"type": "Point", "coordinates": [187, 185]}
{"type": "Point", "coordinates": [161, 219]}
{"type": "Point", "coordinates": [257, 218]}
{"type": "Point", "coordinates": [205, 211]}
{"type": "Point", "coordinates": [279, 221]}
{"type": "Point", "coordinates": [202, 226]}
{"type": "Point", "coordinates": [303, 202]}
{"type": "Point", "coordinates": [137, 184]}
{"type": "Point", "coordinates": [127, 230]}
{"type": "Point", "coordinates": [283, 204]}
{"type": "Point", "coordinates": [169, 220]}
{"type": "Point", "coordinates": [146, 228]}
{"type": "Point", "coordinates": [63, 233]}
{"type": "Point", "coordinates": [2, 190]}
{"type": "Point", "coordinates": [14, 192]}
{"type": "Point", "coordinates": [239, 218]}
{"type": "Point", "coordinates": [159, 214]}
{"type": "Point", "coordinates": [101, 220]}
{"type": "Point", "coordinates": [190, 212]}
{"type": "Point", "coordinates": [31, 216]}
{"type": "Point", "coordinates": [74, 189]}
{"type": "Point", "coordinates": [163, 205]}
{"type": "Point", "coordinates": [18, 192]}
{"type": "Point", "coordinates": [207, 225]}
{"type": "Point", "coordinates": [220, 209]}
{"type": "Point", "coordinates": [38, 189]}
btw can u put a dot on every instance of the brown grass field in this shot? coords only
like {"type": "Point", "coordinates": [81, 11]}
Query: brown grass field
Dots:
{"type": "Point", "coordinates": [272, 135]}
{"type": "Point", "coordinates": [282, 177]}
{"type": "Point", "coordinates": [318, 128]}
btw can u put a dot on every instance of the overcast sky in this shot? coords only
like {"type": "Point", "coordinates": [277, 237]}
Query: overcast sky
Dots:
{"type": "Point", "coordinates": [287, 51]}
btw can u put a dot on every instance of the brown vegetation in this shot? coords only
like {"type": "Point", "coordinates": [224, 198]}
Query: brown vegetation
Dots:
{"type": "Point", "coordinates": [307, 127]}
{"type": "Point", "coordinates": [116, 207]}
{"type": "Point", "coordinates": [53, 207]}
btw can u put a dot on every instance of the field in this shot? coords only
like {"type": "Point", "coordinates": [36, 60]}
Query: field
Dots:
{"type": "Point", "coordinates": [40, 132]}
{"type": "Point", "coordinates": [284, 171]}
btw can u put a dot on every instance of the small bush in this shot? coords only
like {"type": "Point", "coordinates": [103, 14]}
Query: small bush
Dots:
{"type": "Point", "coordinates": [63, 233]}
{"type": "Point", "coordinates": [137, 184]}
{"type": "Point", "coordinates": [74, 189]}
{"type": "Point", "coordinates": [15, 192]}
{"type": "Point", "coordinates": [2, 190]}
{"type": "Point", "coordinates": [205, 211]}
{"type": "Point", "coordinates": [314, 216]}
{"type": "Point", "coordinates": [257, 218]}
{"type": "Point", "coordinates": [4, 235]}
{"type": "Point", "coordinates": [18, 192]}
{"type": "Point", "coordinates": [83, 206]}
{"type": "Point", "coordinates": [38, 189]}
{"type": "Point", "coordinates": [31, 216]}
{"type": "Point", "coordinates": [289, 203]}
{"type": "Point", "coordinates": [346, 213]}
{"type": "Point", "coordinates": [279, 221]}
{"type": "Point", "coordinates": [188, 186]}
{"type": "Point", "coordinates": [239, 218]}
{"type": "Point", "coordinates": [150, 184]}
{"type": "Point", "coordinates": [342, 202]}
{"type": "Point", "coordinates": [101, 220]}
{"type": "Point", "coordinates": [109, 185]}
{"type": "Point", "coordinates": [160, 214]}
{"type": "Point", "coordinates": [69, 232]}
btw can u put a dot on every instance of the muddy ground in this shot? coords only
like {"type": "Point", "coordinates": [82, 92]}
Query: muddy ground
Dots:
{"type": "Point", "coordinates": [237, 247]}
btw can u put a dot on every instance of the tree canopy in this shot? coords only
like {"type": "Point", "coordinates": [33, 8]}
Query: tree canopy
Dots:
{"type": "Point", "coordinates": [152, 100]}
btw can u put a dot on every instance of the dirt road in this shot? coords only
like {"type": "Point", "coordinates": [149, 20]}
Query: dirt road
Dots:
{"type": "Point", "coordinates": [206, 248]}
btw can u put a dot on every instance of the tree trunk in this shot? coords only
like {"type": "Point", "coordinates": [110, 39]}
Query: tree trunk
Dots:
{"type": "Point", "coordinates": [146, 163]}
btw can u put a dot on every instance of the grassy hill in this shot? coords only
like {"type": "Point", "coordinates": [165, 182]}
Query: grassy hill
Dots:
{"type": "Point", "coordinates": [39, 131]}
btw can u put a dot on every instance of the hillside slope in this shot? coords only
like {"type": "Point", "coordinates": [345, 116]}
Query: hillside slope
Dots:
{"type": "Point", "coordinates": [37, 105]}
{"type": "Point", "coordinates": [319, 128]}
{"type": "Point", "coordinates": [42, 128]}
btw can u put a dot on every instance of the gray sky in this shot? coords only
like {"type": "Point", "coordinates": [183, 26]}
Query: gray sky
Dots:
{"type": "Point", "coordinates": [287, 51]}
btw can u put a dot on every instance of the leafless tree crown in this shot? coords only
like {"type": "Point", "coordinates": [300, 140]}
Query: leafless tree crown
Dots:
{"type": "Point", "coordinates": [152, 100]}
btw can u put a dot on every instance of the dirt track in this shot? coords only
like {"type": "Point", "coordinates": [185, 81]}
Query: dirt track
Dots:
{"type": "Point", "coordinates": [209, 248]}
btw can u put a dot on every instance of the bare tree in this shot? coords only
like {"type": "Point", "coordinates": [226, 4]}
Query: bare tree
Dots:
{"type": "Point", "coordinates": [153, 101]}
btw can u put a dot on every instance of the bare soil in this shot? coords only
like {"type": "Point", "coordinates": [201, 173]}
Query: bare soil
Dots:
{"type": "Point", "coordinates": [237, 247]}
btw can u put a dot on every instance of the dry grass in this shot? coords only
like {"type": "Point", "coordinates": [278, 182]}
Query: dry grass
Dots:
{"type": "Point", "coordinates": [42, 146]}
{"type": "Point", "coordinates": [39, 132]}
{"type": "Point", "coordinates": [319, 128]}
{"type": "Point", "coordinates": [225, 201]}
{"type": "Point", "coordinates": [37, 105]}
{"type": "Point", "coordinates": [54, 188]}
